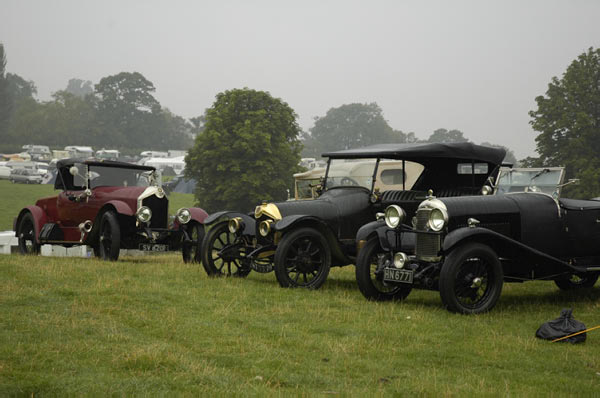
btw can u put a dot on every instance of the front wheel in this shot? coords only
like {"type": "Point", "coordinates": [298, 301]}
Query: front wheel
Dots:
{"type": "Point", "coordinates": [190, 250]}
{"type": "Point", "coordinates": [471, 279]}
{"type": "Point", "coordinates": [222, 253]}
{"type": "Point", "coordinates": [302, 259]}
{"type": "Point", "coordinates": [26, 235]}
{"type": "Point", "coordinates": [369, 275]}
{"type": "Point", "coordinates": [572, 281]}
{"type": "Point", "coordinates": [109, 243]}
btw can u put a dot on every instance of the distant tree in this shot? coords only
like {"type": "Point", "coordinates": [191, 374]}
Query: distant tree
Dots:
{"type": "Point", "coordinates": [20, 88]}
{"type": "Point", "coordinates": [510, 155]}
{"type": "Point", "coordinates": [79, 88]}
{"type": "Point", "coordinates": [198, 124]}
{"type": "Point", "coordinates": [5, 99]}
{"type": "Point", "coordinates": [247, 153]}
{"type": "Point", "coordinates": [351, 126]}
{"type": "Point", "coordinates": [568, 119]}
{"type": "Point", "coordinates": [445, 136]}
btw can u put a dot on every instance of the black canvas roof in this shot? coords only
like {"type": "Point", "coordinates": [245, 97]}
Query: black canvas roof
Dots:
{"type": "Point", "coordinates": [103, 163]}
{"type": "Point", "coordinates": [420, 152]}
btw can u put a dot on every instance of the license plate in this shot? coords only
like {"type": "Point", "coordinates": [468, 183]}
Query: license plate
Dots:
{"type": "Point", "coordinates": [153, 247]}
{"type": "Point", "coordinates": [397, 275]}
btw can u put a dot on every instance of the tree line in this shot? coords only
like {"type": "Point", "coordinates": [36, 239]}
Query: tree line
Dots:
{"type": "Point", "coordinates": [119, 112]}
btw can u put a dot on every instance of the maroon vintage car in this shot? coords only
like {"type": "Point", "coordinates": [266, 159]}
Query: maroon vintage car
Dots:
{"type": "Point", "coordinates": [109, 205]}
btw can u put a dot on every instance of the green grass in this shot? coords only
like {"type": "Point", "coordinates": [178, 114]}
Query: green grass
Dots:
{"type": "Point", "coordinates": [153, 325]}
{"type": "Point", "coordinates": [13, 197]}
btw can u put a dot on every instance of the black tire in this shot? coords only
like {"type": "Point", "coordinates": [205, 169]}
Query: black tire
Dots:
{"type": "Point", "coordinates": [26, 236]}
{"type": "Point", "coordinates": [471, 279]}
{"type": "Point", "coordinates": [572, 281]}
{"type": "Point", "coordinates": [303, 252]}
{"type": "Point", "coordinates": [191, 251]}
{"type": "Point", "coordinates": [369, 282]}
{"type": "Point", "coordinates": [218, 263]}
{"type": "Point", "coordinates": [109, 238]}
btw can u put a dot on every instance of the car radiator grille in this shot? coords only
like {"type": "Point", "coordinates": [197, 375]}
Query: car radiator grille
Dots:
{"type": "Point", "coordinates": [159, 209]}
{"type": "Point", "coordinates": [427, 245]}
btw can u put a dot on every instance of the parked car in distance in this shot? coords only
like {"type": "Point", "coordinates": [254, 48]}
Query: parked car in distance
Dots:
{"type": "Point", "coordinates": [548, 180]}
{"type": "Point", "coordinates": [109, 205]}
{"type": "Point", "coordinates": [25, 176]}
{"type": "Point", "coordinates": [300, 240]}
{"type": "Point", "coordinates": [467, 247]}
{"type": "Point", "coordinates": [5, 172]}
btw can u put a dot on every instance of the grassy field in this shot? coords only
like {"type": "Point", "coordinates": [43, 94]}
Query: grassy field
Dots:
{"type": "Point", "coordinates": [13, 197]}
{"type": "Point", "coordinates": [153, 325]}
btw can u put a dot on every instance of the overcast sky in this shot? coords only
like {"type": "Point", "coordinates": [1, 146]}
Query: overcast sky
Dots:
{"type": "Point", "coordinates": [476, 66]}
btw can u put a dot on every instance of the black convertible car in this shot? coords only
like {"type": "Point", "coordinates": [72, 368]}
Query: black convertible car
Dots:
{"type": "Point", "coordinates": [467, 247]}
{"type": "Point", "coordinates": [302, 239]}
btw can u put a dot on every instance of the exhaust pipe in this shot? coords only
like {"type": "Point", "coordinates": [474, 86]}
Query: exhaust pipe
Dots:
{"type": "Point", "coordinates": [85, 228]}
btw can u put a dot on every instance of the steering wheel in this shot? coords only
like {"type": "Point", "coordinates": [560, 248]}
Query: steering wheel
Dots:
{"type": "Point", "coordinates": [347, 181]}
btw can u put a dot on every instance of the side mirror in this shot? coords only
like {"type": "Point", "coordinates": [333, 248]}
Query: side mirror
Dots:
{"type": "Point", "coordinates": [73, 171]}
{"type": "Point", "coordinates": [486, 190]}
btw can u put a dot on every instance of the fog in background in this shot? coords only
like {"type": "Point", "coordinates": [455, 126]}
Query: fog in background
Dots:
{"type": "Point", "coordinates": [475, 66]}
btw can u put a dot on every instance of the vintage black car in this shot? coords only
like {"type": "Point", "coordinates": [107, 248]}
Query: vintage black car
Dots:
{"type": "Point", "coordinates": [302, 239]}
{"type": "Point", "coordinates": [467, 247]}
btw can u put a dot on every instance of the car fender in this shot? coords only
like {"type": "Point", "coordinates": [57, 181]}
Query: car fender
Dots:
{"type": "Point", "coordinates": [287, 223]}
{"type": "Point", "coordinates": [504, 246]}
{"type": "Point", "coordinates": [120, 207]}
{"type": "Point", "coordinates": [39, 219]}
{"type": "Point", "coordinates": [220, 216]}
{"type": "Point", "coordinates": [198, 214]}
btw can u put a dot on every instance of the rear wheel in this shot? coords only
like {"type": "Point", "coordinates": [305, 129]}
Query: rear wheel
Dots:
{"type": "Point", "coordinates": [302, 259]}
{"type": "Point", "coordinates": [471, 279]}
{"type": "Point", "coordinates": [223, 253]}
{"type": "Point", "coordinates": [190, 250]}
{"type": "Point", "coordinates": [369, 275]}
{"type": "Point", "coordinates": [26, 235]}
{"type": "Point", "coordinates": [109, 241]}
{"type": "Point", "coordinates": [572, 281]}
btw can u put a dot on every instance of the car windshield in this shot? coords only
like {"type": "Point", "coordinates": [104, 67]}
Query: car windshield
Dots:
{"type": "Point", "coordinates": [351, 173]}
{"type": "Point", "coordinates": [120, 177]}
{"type": "Point", "coordinates": [529, 180]}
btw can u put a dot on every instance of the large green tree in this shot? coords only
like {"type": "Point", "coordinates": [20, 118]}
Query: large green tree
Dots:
{"type": "Point", "coordinates": [247, 153]}
{"type": "Point", "coordinates": [568, 119]}
{"type": "Point", "coordinates": [350, 126]}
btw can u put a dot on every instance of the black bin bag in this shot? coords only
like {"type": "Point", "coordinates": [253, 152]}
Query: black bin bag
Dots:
{"type": "Point", "coordinates": [562, 326]}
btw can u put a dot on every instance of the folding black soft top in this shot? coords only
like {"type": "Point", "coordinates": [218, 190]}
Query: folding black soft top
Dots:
{"type": "Point", "coordinates": [420, 152]}
{"type": "Point", "coordinates": [102, 163]}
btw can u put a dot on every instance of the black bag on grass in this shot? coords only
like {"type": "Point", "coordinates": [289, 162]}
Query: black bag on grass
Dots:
{"type": "Point", "coordinates": [562, 326]}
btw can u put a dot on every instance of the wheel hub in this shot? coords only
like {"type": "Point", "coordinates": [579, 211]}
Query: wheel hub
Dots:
{"type": "Point", "coordinates": [477, 282]}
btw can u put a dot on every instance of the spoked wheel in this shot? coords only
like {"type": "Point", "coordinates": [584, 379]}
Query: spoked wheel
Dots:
{"type": "Point", "coordinates": [573, 281]}
{"type": "Point", "coordinates": [190, 251]}
{"type": "Point", "coordinates": [223, 253]}
{"type": "Point", "coordinates": [471, 279]}
{"type": "Point", "coordinates": [302, 259]}
{"type": "Point", "coordinates": [109, 241]}
{"type": "Point", "coordinates": [369, 274]}
{"type": "Point", "coordinates": [26, 236]}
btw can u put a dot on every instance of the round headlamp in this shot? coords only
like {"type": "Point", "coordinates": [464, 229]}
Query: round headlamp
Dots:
{"type": "Point", "coordinates": [264, 227]}
{"type": "Point", "coordinates": [144, 214]}
{"type": "Point", "coordinates": [183, 215]}
{"type": "Point", "coordinates": [235, 224]}
{"type": "Point", "coordinates": [438, 218]}
{"type": "Point", "coordinates": [394, 215]}
{"type": "Point", "coordinates": [400, 259]}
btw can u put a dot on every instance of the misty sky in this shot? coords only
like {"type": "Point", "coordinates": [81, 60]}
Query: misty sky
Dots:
{"type": "Point", "coordinates": [476, 66]}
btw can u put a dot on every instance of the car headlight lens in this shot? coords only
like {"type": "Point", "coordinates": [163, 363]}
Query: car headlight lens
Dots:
{"type": "Point", "coordinates": [437, 219]}
{"type": "Point", "coordinates": [400, 259]}
{"type": "Point", "coordinates": [183, 215]}
{"type": "Point", "coordinates": [235, 224]}
{"type": "Point", "coordinates": [144, 214]}
{"type": "Point", "coordinates": [264, 228]}
{"type": "Point", "coordinates": [394, 215]}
